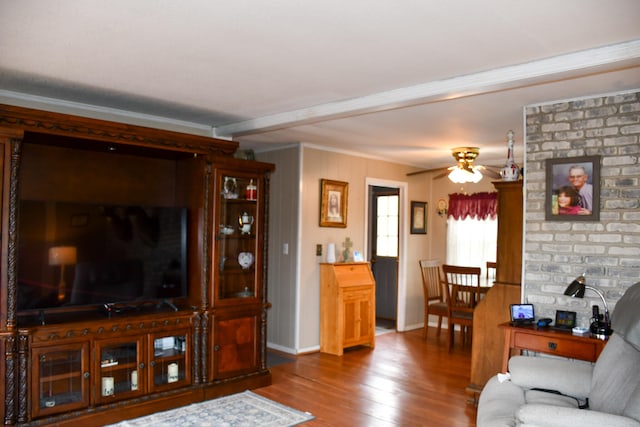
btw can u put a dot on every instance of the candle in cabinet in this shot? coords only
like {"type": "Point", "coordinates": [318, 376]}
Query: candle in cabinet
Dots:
{"type": "Point", "coordinates": [134, 380]}
{"type": "Point", "coordinates": [173, 372]}
{"type": "Point", "coordinates": [107, 386]}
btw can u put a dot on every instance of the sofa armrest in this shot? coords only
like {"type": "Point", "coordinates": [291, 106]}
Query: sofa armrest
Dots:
{"type": "Point", "coordinates": [570, 377]}
{"type": "Point", "coordinates": [557, 416]}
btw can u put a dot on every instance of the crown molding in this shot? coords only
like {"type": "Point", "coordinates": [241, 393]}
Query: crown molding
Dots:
{"type": "Point", "coordinates": [54, 105]}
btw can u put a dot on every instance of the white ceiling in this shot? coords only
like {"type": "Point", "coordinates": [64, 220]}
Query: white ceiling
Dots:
{"type": "Point", "coordinates": [401, 80]}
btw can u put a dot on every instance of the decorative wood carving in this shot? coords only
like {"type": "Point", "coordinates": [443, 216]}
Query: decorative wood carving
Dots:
{"type": "Point", "coordinates": [105, 328]}
{"type": "Point", "coordinates": [12, 250]}
{"type": "Point", "coordinates": [10, 379]}
{"type": "Point", "coordinates": [204, 345]}
{"type": "Point", "coordinates": [23, 389]}
{"type": "Point", "coordinates": [206, 232]}
{"type": "Point", "coordinates": [266, 305]}
{"type": "Point", "coordinates": [78, 127]}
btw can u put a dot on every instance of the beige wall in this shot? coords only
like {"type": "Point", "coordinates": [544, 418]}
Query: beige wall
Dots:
{"type": "Point", "coordinates": [318, 164]}
{"type": "Point", "coordinates": [314, 164]}
{"type": "Point", "coordinates": [284, 202]}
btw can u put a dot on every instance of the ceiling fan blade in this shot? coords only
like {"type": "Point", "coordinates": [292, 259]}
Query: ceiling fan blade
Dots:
{"type": "Point", "coordinates": [431, 170]}
{"type": "Point", "coordinates": [491, 171]}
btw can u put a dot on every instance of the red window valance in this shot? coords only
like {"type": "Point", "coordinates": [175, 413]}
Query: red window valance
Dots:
{"type": "Point", "coordinates": [477, 205]}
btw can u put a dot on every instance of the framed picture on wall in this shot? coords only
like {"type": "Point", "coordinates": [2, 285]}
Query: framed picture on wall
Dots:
{"type": "Point", "coordinates": [573, 189]}
{"type": "Point", "coordinates": [333, 203]}
{"type": "Point", "coordinates": [418, 217]}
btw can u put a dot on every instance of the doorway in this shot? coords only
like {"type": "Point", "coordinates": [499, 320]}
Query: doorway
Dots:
{"type": "Point", "coordinates": [383, 236]}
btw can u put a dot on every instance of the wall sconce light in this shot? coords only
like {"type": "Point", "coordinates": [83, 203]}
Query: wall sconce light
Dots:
{"type": "Point", "coordinates": [442, 207]}
{"type": "Point", "coordinates": [600, 328]}
{"type": "Point", "coordinates": [62, 255]}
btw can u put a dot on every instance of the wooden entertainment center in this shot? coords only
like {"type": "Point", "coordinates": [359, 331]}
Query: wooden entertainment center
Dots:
{"type": "Point", "coordinates": [100, 363]}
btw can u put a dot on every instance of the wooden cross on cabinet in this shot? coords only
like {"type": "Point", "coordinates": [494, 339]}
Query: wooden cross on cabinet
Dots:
{"type": "Point", "coordinates": [346, 254]}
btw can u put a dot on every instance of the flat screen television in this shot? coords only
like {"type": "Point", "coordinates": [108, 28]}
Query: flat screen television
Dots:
{"type": "Point", "coordinates": [78, 254]}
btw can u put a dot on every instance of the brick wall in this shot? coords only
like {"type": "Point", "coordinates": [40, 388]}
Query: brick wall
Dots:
{"type": "Point", "coordinates": [608, 250]}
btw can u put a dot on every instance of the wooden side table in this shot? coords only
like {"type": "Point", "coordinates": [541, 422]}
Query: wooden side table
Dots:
{"type": "Point", "coordinates": [549, 341]}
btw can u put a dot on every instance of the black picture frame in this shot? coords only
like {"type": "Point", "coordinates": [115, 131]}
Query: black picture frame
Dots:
{"type": "Point", "coordinates": [559, 188]}
{"type": "Point", "coordinates": [418, 217]}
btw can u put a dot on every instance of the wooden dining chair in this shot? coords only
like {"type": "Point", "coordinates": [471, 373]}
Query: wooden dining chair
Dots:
{"type": "Point", "coordinates": [491, 271]}
{"type": "Point", "coordinates": [432, 287]}
{"type": "Point", "coordinates": [463, 293]}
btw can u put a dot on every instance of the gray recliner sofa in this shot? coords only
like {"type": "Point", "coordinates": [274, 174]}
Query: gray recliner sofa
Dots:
{"type": "Point", "coordinates": [545, 391]}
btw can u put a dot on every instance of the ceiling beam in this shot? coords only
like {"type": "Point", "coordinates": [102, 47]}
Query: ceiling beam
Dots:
{"type": "Point", "coordinates": [602, 59]}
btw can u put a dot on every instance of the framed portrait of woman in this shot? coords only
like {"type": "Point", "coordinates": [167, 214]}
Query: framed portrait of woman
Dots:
{"type": "Point", "coordinates": [333, 203]}
{"type": "Point", "coordinates": [573, 189]}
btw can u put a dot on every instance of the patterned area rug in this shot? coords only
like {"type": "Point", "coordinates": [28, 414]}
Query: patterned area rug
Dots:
{"type": "Point", "coordinates": [244, 409]}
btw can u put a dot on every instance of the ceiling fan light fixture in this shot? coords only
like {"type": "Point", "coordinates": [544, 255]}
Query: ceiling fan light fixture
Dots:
{"type": "Point", "coordinates": [476, 176]}
{"type": "Point", "coordinates": [457, 175]}
{"type": "Point", "coordinates": [460, 176]}
{"type": "Point", "coordinates": [464, 170]}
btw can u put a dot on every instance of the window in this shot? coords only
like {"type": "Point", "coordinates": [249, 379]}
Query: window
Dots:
{"type": "Point", "coordinates": [387, 226]}
{"type": "Point", "coordinates": [472, 229]}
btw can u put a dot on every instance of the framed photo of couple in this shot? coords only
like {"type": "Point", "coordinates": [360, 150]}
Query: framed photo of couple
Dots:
{"type": "Point", "coordinates": [333, 203]}
{"type": "Point", "coordinates": [573, 189]}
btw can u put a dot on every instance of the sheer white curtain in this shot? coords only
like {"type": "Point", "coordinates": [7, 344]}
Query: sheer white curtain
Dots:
{"type": "Point", "coordinates": [471, 242]}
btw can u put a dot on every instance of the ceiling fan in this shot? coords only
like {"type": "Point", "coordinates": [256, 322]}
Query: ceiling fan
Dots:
{"type": "Point", "coordinates": [465, 170]}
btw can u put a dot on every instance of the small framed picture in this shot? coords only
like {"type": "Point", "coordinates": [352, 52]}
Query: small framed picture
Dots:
{"type": "Point", "coordinates": [573, 189]}
{"type": "Point", "coordinates": [418, 217]}
{"type": "Point", "coordinates": [333, 203]}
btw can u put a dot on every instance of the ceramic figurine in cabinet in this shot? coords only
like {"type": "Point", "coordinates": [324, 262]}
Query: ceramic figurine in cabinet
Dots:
{"type": "Point", "coordinates": [246, 221]}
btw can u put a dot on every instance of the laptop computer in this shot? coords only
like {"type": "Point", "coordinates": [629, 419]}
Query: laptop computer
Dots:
{"type": "Point", "coordinates": [522, 314]}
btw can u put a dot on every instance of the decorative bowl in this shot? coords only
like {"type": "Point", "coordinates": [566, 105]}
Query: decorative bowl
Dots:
{"type": "Point", "coordinates": [226, 229]}
{"type": "Point", "coordinates": [244, 294]}
{"type": "Point", "coordinates": [245, 259]}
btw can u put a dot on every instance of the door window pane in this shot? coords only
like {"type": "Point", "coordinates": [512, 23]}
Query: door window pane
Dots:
{"type": "Point", "coordinates": [387, 226]}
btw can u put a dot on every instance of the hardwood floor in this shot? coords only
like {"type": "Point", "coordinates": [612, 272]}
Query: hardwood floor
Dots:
{"type": "Point", "coordinates": [405, 381]}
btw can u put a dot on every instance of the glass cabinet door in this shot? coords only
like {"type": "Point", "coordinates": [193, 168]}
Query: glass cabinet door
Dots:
{"type": "Point", "coordinates": [237, 228]}
{"type": "Point", "coordinates": [169, 365]}
{"type": "Point", "coordinates": [60, 378]}
{"type": "Point", "coordinates": [121, 369]}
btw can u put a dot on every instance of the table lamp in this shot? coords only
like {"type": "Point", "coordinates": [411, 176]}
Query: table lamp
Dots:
{"type": "Point", "coordinates": [62, 255]}
{"type": "Point", "coordinates": [600, 328]}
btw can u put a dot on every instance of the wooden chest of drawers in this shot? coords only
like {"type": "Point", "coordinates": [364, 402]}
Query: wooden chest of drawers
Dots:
{"type": "Point", "coordinates": [549, 341]}
{"type": "Point", "coordinates": [347, 306]}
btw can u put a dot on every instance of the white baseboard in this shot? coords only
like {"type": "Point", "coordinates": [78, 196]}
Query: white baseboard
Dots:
{"type": "Point", "coordinates": [293, 351]}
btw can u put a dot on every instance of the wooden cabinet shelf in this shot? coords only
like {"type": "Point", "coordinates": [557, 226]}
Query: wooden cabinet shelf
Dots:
{"type": "Point", "coordinates": [118, 367]}
{"type": "Point", "coordinates": [51, 378]}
